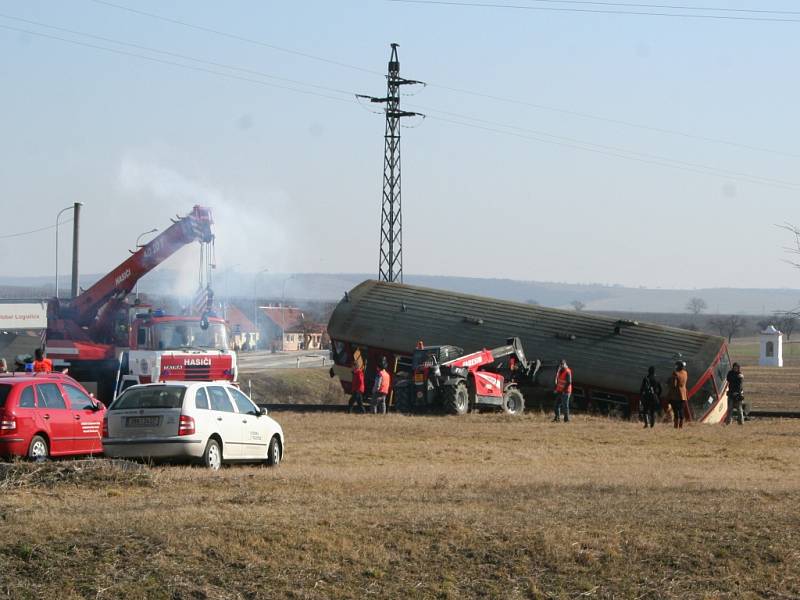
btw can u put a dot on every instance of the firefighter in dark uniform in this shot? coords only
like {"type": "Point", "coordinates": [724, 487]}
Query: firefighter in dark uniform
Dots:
{"type": "Point", "coordinates": [735, 394]}
{"type": "Point", "coordinates": [650, 393]}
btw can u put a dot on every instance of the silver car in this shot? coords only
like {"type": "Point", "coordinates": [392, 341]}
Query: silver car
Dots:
{"type": "Point", "coordinates": [208, 422]}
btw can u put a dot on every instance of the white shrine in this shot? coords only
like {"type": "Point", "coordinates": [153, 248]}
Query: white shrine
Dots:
{"type": "Point", "coordinates": [771, 354]}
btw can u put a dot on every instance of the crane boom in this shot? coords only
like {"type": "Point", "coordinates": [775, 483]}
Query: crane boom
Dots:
{"type": "Point", "coordinates": [94, 307]}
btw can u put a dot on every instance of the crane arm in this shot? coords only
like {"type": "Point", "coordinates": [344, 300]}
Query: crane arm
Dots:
{"type": "Point", "coordinates": [94, 306]}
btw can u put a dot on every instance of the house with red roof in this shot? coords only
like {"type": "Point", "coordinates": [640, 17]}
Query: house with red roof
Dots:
{"type": "Point", "coordinates": [244, 333]}
{"type": "Point", "coordinates": [286, 328]}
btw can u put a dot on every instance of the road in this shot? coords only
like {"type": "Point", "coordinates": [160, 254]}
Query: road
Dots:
{"type": "Point", "coordinates": [254, 362]}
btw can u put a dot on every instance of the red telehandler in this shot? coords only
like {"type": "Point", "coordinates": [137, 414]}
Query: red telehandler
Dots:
{"type": "Point", "coordinates": [108, 343]}
{"type": "Point", "coordinates": [443, 377]}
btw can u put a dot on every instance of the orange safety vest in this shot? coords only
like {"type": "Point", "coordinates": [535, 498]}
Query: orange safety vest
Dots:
{"type": "Point", "coordinates": [384, 389]}
{"type": "Point", "coordinates": [43, 366]}
{"type": "Point", "coordinates": [562, 385]}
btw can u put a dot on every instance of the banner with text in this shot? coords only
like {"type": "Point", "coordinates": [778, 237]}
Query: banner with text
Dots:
{"type": "Point", "coordinates": [23, 315]}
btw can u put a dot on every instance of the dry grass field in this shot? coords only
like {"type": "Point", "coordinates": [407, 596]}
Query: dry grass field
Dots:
{"type": "Point", "coordinates": [294, 386]}
{"type": "Point", "coordinates": [483, 506]}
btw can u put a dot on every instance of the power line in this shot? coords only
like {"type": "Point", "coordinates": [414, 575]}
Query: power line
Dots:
{"type": "Point", "coordinates": [598, 11]}
{"type": "Point", "coordinates": [173, 63]}
{"type": "Point", "coordinates": [176, 55]}
{"type": "Point", "coordinates": [614, 121]}
{"type": "Point", "coordinates": [523, 136]}
{"type": "Point", "coordinates": [622, 122]}
{"type": "Point", "coordinates": [234, 36]}
{"type": "Point", "coordinates": [21, 233]}
{"type": "Point", "coordinates": [569, 142]}
{"type": "Point", "coordinates": [669, 6]}
{"type": "Point", "coordinates": [611, 150]}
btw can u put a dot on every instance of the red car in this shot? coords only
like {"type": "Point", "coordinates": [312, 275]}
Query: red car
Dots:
{"type": "Point", "coordinates": [48, 414]}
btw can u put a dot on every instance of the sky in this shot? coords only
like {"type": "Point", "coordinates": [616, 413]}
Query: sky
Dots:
{"type": "Point", "coordinates": [620, 149]}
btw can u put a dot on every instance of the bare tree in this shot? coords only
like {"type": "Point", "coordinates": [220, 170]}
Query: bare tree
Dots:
{"type": "Point", "coordinates": [578, 305]}
{"type": "Point", "coordinates": [787, 323]}
{"type": "Point", "coordinates": [696, 306]}
{"type": "Point", "coordinates": [789, 319]}
{"type": "Point", "coordinates": [729, 325]}
{"type": "Point", "coordinates": [795, 231]}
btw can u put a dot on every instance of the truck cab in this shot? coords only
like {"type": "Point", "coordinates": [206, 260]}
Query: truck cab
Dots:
{"type": "Point", "coordinates": [176, 348]}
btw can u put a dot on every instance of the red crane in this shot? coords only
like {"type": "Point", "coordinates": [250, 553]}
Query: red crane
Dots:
{"type": "Point", "coordinates": [86, 332]}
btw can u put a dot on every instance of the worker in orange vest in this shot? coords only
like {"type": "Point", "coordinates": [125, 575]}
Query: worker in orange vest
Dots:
{"type": "Point", "coordinates": [380, 389]}
{"type": "Point", "coordinates": [563, 391]}
{"type": "Point", "coordinates": [41, 364]}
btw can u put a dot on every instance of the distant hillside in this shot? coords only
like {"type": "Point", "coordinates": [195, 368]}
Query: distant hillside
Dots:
{"type": "Point", "coordinates": [331, 287]}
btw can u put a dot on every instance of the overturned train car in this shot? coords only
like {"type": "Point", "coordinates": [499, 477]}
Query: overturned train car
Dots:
{"type": "Point", "coordinates": [609, 357]}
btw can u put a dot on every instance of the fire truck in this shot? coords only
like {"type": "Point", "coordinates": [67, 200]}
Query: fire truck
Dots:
{"type": "Point", "coordinates": [443, 377]}
{"type": "Point", "coordinates": [109, 343]}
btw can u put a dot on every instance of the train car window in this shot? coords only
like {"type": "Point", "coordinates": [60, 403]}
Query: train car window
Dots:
{"type": "Point", "coordinates": [702, 400]}
{"type": "Point", "coordinates": [339, 351]}
{"type": "Point", "coordinates": [721, 371]}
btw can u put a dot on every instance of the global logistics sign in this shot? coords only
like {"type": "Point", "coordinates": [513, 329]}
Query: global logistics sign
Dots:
{"type": "Point", "coordinates": [23, 315]}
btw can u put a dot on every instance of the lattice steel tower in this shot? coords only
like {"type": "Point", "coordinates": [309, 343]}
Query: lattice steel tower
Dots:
{"type": "Point", "coordinates": [390, 262]}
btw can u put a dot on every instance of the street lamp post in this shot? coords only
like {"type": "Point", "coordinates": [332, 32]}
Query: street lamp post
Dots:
{"type": "Point", "coordinates": [255, 302]}
{"type": "Point", "coordinates": [58, 216]}
{"type": "Point", "coordinates": [139, 237]}
{"type": "Point", "coordinates": [283, 310]}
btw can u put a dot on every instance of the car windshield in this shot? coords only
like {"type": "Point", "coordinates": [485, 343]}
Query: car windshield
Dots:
{"type": "Point", "coordinates": [5, 390]}
{"type": "Point", "coordinates": [161, 396]}
{"type": "Point", "coordinates": [174, 335]}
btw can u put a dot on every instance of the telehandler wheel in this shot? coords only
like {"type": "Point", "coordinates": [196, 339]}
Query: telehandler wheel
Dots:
{"type": "Point", "coordinates": [513, 402]}
{"type": "Point", "coordinates": [456, 399]}
{"type": "Point", "coordinates": [402, 399]}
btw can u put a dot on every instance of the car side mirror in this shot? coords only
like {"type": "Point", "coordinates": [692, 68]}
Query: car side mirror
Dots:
{"type": "Point", "coordinates": [96, 407]}
{"type": "Point", "coordinates": [262, 412]}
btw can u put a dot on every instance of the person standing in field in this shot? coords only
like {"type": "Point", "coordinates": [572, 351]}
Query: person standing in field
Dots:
{"type": "Point", "coordinates": [380, 389]}
{"type": "Point", "coordinates": [677, 393]}
{"type": "Point", "coordinates": [735, 394]}
{"type": "Point", "coordinates": [562, 391]}
{"type": "Point", "coordinates": [357, 386]}
{"type": "Point", "coordinates": [650, 393]}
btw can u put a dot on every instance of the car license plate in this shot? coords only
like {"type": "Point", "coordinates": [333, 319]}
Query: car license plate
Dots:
{"type": "Point", "coordinates": [142, 421]}
{"type": "Point", "coordinates": [419, 378]}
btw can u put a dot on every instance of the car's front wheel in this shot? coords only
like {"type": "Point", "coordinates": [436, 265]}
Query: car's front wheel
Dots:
{"type": "Point", "coordinates": [212, 457]}
{"type": "Point", "coordinates": [38, 449]}
{"type": "Point", "coordinates": [274, 452]}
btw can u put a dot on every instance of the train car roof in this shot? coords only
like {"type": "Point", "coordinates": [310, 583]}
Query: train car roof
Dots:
{"type": "Point", "coordinates": [604, 352]}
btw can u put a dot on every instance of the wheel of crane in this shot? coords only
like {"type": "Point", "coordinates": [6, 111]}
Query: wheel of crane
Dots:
{"type": "Point", "coordinates": [456, 398]}
{"type": "Point", "coordinates": [513, 401]}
